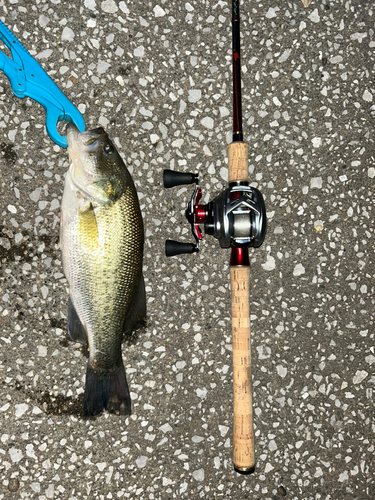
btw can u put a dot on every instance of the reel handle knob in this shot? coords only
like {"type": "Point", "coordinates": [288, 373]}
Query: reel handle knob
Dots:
{"type": "Point", "coordinates": [172, 178]}
{"type": "Point", "coordinates": [177, 248]}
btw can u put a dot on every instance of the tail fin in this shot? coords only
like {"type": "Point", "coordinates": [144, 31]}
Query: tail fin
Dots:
{"type": "Point", "coordinates": [106, 390]}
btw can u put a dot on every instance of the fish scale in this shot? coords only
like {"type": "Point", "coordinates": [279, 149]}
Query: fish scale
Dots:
{"type": "Point", "coordinates": [107, 273]}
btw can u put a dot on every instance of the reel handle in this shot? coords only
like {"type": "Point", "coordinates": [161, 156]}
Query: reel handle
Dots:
{"type": "Point", "coordinates": [177, 248]}
{"type": "Point", "coordinates": [172, 178]}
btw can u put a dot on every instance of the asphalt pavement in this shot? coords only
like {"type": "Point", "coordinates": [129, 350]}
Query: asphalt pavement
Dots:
{"type": "Point", "coordinates": [157, 76]}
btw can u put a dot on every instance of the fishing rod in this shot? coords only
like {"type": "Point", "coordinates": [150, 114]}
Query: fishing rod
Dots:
{"type": "Point", "coordinates": [237, 219]}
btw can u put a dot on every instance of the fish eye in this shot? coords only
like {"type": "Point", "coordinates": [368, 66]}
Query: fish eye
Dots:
{"type": "Point", "coordinates": [108, 149]}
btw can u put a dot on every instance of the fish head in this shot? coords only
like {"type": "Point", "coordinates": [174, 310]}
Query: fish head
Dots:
{"type": "Point", "coordinates": [96, 169]}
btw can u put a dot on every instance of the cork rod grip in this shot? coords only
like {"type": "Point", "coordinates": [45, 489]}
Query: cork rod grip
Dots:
{"type": "Point", "coordinates": [243, 432]}
{"type": "Point", "coordinates": [237, 162]}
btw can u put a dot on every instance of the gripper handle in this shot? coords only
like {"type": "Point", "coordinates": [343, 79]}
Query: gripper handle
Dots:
{"type": "Point", "coordinates": [243, 432]}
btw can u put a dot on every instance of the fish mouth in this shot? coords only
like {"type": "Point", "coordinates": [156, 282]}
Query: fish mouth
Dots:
{"type": "Point", "coordinates": [83, 142]}
{"type": "Point", "coordinates": [82, 147]}
{"type": "Point", "coordinates": [91, 139]}
{"type": "Point", "coordinates": [78, 143]}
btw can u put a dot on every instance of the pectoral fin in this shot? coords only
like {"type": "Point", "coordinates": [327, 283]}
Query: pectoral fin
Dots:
{"type": "Point", "coordinates": [88, 228]}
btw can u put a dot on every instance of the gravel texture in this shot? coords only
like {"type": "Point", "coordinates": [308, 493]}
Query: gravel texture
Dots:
{"type": "Point", "coordinates": [157, 76]}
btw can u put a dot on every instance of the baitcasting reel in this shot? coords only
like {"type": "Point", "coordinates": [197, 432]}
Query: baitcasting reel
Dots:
{"type": "Point", "coordinates": [236, 217]}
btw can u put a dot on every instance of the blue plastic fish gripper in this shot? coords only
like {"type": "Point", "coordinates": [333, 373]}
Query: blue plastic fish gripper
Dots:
{"type": "Point", "coordinates": [28, 79]}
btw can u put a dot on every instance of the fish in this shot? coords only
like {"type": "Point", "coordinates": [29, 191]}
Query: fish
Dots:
{"type": "Point", "coordinates": [101, 242]}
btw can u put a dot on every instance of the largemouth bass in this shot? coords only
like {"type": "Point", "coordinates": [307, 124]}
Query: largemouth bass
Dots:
{"type": "Point", "coordinates": [101, 239]}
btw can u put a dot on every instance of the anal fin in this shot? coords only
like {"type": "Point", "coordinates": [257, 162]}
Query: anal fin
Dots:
{"type": "Point", "coordinates": [137, 314]}
{"type": "Point", "coordinates": [76, 330]}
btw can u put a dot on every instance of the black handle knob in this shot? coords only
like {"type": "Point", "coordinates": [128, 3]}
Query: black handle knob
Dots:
{"type": "Point", "coordinates": [177, 248]}
{"type": "Point", "coordinates": [172, 178]}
